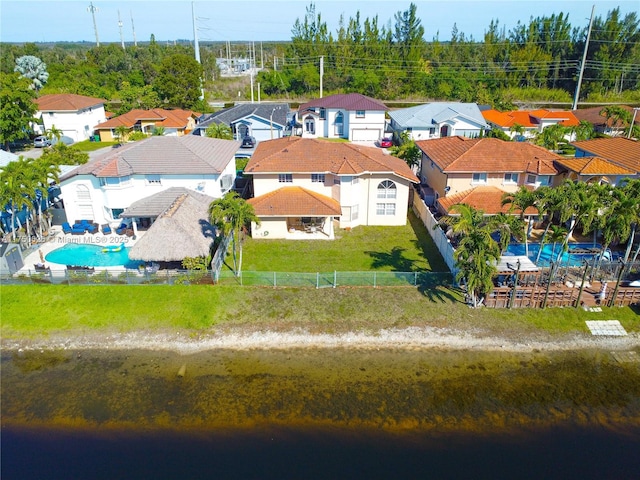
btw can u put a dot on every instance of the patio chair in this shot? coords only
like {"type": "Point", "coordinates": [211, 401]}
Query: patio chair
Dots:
{"type": "Point", "coordinates": [78, 230]}
{"type": "Point", "coordinates": [66, 228]}
{"type": "Point", "coordinates": [106, 229]}
{"type": "Point", "coordinates": [40, 267]}
{"type": "Point", "coordinates": [121, 229]}
{"type": "Point", "coordinates": [91, 228]}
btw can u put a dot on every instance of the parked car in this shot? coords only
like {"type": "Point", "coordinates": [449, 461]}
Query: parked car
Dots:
{"type": "Point", "coordinates": [41, 142]}
{"type": "Point", "coordinates": [63, 139]}
{"type": "Point", "coordinates": [248, 142]}
{"type": "Point", "coordinates": [386, 142]}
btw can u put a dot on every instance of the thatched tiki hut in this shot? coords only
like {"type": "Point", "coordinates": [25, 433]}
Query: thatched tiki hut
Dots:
{"type": "Point", "coordinates": [181, 230]}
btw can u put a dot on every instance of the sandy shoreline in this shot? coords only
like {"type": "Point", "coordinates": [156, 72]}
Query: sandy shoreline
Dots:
{"type": "Point", "coordinates": [411, 338]}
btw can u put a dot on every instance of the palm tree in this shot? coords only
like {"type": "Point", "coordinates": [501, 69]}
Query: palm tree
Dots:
{"type": "Point", "coordinates": [551, 136]}
{"type": "Point", "coordinates": [521, 200]}
{"type": "Point", "coordinates": [46, 173]}
{"type": "Point", "coordinates": [122, 133]}
{"type": "Point", "coordinates": [583, 131]}
{"type": "Point", "coordinates": [632, 190]}
{"type": "Point", "coordinates": [549, 201]}
{"type": "Point", "coordinates": [517, 129]}
{"type": "Point", "coordinates": [232, 214]}
{"type": "Point", "coordinates": [54, 132]}
{"type": "Point", "coordinates": [507, 226]}
{"type": "Point", "coordinates": [219, 130]}
{"type": "Point", "coordinates": [16, 187]}
{"type": "Point", "coordinates": [556, 234]}
{"type": "Point", "coordinates": [157, 131]}
{"type": "Point", "coordinates": [617, 117]}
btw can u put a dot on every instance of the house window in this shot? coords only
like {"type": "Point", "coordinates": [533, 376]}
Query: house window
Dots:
{"type": "Point", "coordinates": [385, 208]}
{"type": "Point", "coordinates": [336, 180]}
{"type": "Point", "coordinates": [285, 178]}
{"type": "Point", "coordinates": [531, 179]}
{"type": "Point", "coordinates": [153, 180]}
{"type": "Point", "coordinates": [510, 178]}
{"type": "Point", "coordinates": [310, 126]}
{"type": "Point", "coordinates": [317, 177]}
{"type": "Point", "coordinates": [355, 180]}
{"type": "Point", "coordinates": [339, 124]}
{"type": "Point", "coordinates": [479, 178]}
{"type": "Point", "coordinates": [544, 180]}
{"type": "Point", "coordinates": [359, 113]}
{"type": "Point", "coordinates": [82, 192]}
{"type": "Point", "coordinates": [225, 182]}
{"type": "Point", "coordinates": [387, 189]}
{"type": "Point", "coordinates": [115, 212]}
{"type": "Point", "coordinates": [354, 212]}
{"type": "Point", "coordinates": [432, 131]}
{"type": "Point", "coordinates": [323, 114]}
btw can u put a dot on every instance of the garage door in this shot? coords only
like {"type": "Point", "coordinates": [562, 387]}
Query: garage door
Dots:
{"type": "Point", "coordinates": [360, 135]}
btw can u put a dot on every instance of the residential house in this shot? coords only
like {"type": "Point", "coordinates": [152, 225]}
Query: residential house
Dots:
{"type": "Point", "coordinates": [438, 119]}
{"type": "Point", "coordinates": [532, 122]}
{"type": "Point", "coordinates": [301, 185]}
{"type": "Point", "coordinates": [620, 151]}
{"type": "Point", "coordinates": [593, 170]}
{"type": "Point", "coordinates": [601, 123]}
{"type": "Point", "coordinates": [453, 165]}
{"type": "Point", "coordinates": [486, 198]}
{"type": "Point", "coordinates": [264, 121]}
{"type": "Point", "coordinates": [103, 188]}
{"type": "Point", "coordinates": [173, 122]}
{"type": "Point", "coordinates": [351, 116]}
{"type": "Point", "coordinates": [74, 115]}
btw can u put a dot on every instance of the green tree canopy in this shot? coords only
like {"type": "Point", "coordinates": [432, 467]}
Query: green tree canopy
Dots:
{"type": "Point", "coordinates": [17, 108]}
{"type": "Point", "coordinates": [179, 81]}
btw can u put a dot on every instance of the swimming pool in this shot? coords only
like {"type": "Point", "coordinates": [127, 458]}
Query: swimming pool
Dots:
{"type": "Point", "coordinates": [91, 256]}
{"type": "Point", "coordinates": [573, 257]}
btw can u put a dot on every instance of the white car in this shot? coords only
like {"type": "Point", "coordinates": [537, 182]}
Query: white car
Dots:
{"type": "Point", "coordinates": [41, 142]}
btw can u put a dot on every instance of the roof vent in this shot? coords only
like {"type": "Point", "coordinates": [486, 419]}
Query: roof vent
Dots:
{"type": "Point", "coordinates": [286, 150]}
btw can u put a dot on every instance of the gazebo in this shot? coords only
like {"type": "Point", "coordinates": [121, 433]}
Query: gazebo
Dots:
{"type": "Point", "coordinates": [181, 230]}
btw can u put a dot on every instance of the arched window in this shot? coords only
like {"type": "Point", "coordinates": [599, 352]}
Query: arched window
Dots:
{"type": "Point", "coordinates": [83, 193]}
{"type": "Point", "coordinates": [339, 124]}
{"type": "Point", "coordinates": [444, 131]}
{"type": "Point", "coordinates": [310, 125]}
{"type": "Point", "coordinates": [387, 189]}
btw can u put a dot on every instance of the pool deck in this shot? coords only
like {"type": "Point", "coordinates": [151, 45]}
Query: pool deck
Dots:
{"type": "Point", "coordinates": [58, 239]}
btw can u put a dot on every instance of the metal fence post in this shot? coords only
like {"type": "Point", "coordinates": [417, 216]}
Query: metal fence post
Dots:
{"type": "Point", "coordinates": [275, 279]}
{"type": "Point", "coordinates": [375, 279]}
{"type": "Point", "coordinates": [317, 280]}
{"type": "Point", "coordinates": [335, 278]}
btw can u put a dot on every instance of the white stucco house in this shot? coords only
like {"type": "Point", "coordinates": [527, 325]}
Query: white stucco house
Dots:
{"type": "Point", "coordinates": [437, 120]}
{"type": "Point", "coordinates": [302, 186]}
{"type": "Point", "coordinates": [352, 116]}
{"type": "Point", "coordinates": [75, 115]}
{"type": "Point", "coordinates": [103, 188]}
{"type": "Point", "coordinates": [264, 121]}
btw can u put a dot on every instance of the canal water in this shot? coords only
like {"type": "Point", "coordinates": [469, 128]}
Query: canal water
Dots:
{"type": "Point", "coordinates": [319, 413]}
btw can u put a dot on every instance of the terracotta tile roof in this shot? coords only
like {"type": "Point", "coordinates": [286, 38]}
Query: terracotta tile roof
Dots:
{"type": "Point", "coordinates": [592, 115]}
{"type": "Point", "coordinates": [188, 154]}
{"type": "Point", "coordinates": [162, 118]}
{"type": "Point", "coordinates": [346, 101]}
{"type": "Point", "coordinates": [488, 199]}
{"type": "Point", "coordinates": [294, 202]}
{"type": "Point", "coordinates": [621, 151]}
{"type": "Point", "coordinates": [308, 155]}
{"type": "Point", "coordinates": [529, 119]}
{"type": "Point", "coordinates": [59, 102]}
{"type": "Point", "coordinates": [469, 155]}
{"type": "Point", "coordinates": [593, 166]}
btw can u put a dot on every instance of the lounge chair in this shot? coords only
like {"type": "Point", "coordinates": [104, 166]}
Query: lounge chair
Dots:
{"type": "Point", "coordinates": [40, 267]}
{"type": "Point", "coordinates": [106, 229]}
{"type": "Point", "coordinates": [66, 228]}
{"type": "Point", "coordinates": [77, 230]}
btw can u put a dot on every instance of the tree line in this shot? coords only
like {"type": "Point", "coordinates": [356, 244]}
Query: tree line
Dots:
{"type": "Point", "coordinates": [539, 59]}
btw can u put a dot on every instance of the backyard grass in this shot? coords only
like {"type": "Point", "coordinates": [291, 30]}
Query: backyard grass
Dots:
{"type": "Point", "coordinates": [407, 248]}
{"type": "Point", "coordinates": [41, 310]}
{"type": "Point", "coordinates": [87, 146]}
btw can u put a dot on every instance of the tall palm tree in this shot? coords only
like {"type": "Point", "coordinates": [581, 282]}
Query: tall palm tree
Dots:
{"type": "Point", "coordinates": [632, 190]}
{"type": "Point", "coordinates": [507, 226]}
{"type": "Point", "coordinates": [16, 187]}
{"type": "Point", "coordinates": [232, 214]}
{"type": "Point", "coordinates": [549, 202]}
{"type": "Point", "coordinates": [521, 200]}
{"type": "Point", "coordinates": [46, 173]}
{"type": "Point", "coordinates": [122, 133]}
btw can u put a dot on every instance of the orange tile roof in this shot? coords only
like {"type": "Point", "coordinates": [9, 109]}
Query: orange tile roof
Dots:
{"type": "Point", "coordinates": [162, 118]}
{"type": "Point", "coordinates": [593, 115]}
{"type": "Point", "coordinates": [485, 198]}
{"type": "Point", "coordinates": [308, 155]}
{"type": "Point", "coordinates": [294, 202]}
{"type": "Point", "coordinates": [593, 166]}
{"type": "Point", "coordinates": [469, 155]}
{"type": "Point", "coordinates": [621, 151]}
{"type": "Point", "coordinates": [529, 119]}
{"type": "Point", "coordinates": [66, 102]}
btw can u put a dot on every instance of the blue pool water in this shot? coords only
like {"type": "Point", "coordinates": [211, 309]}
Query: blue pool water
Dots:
{"type": "Point", "coordinates": [91, 256]}
{"type": "Point", "coordinates": [550, 252]}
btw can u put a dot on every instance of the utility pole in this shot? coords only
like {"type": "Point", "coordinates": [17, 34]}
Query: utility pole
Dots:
{"type": "Point", "coordinates": [321, 73]}
{"type": "Point", "coordinates": [196, 45]}
{"type": "Point", "coordinates": [633, 121]}
{"type": "Point", "coordinates": [584, 59]}
{"type": "Point", "coordinates": [133, 29]}
{"type": "Point", "coordinates": [120, 27]}
{"type": "Point", "coordinates": [91, 9]}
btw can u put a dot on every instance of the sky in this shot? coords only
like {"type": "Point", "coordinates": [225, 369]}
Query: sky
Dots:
{"type": "Point", "coordinates": [264, 20]}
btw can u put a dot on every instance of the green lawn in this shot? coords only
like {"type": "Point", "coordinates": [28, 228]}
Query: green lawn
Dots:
{"type": "Point", "coordinates": [408, 248]}
{"type": "Point", "coordinates": [87, 146]}
{"type": "Point", "coordinates": [201, 308]}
